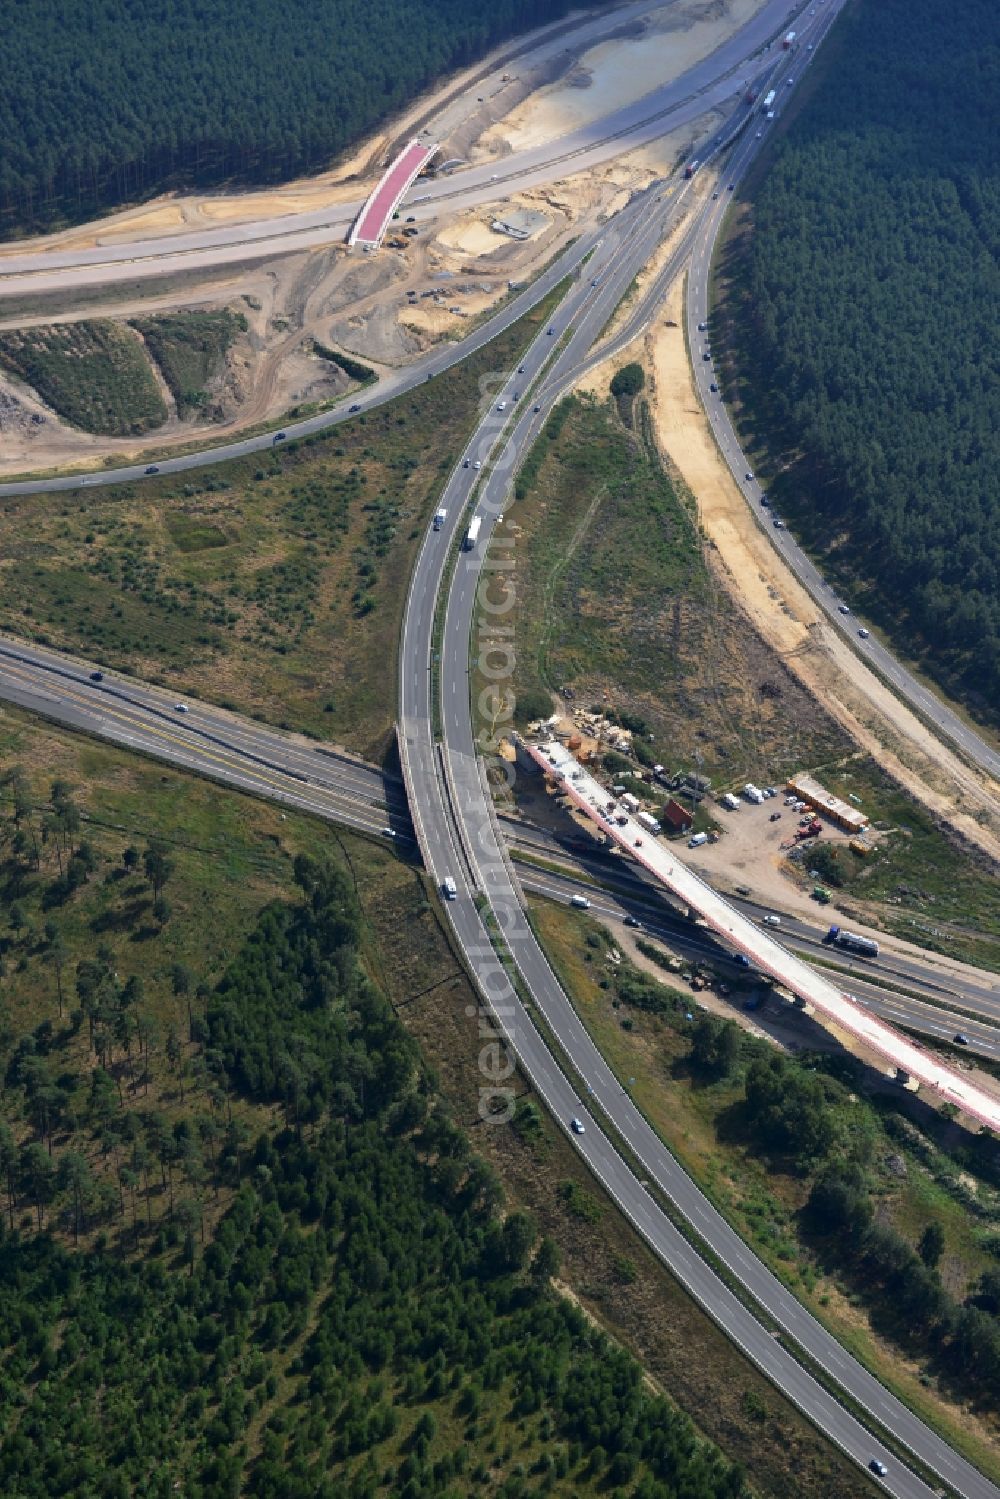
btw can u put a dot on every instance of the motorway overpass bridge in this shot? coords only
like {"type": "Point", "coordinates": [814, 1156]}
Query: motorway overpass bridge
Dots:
{"type": "Point", "coordinates": [369, 227]}
{"type": "Point", "coordinates": [806, 982]}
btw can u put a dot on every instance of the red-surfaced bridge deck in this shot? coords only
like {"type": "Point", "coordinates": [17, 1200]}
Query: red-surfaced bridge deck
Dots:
{"type": "Point", "coordinates": [373, 220]}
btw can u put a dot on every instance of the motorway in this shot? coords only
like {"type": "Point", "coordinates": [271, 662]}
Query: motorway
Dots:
{"type": "Point", "coordinates": [709, 83]}
{"type": "Point", "coordinates": [458, 836]}
{"type": "Point", "coordinates": [310, 777]}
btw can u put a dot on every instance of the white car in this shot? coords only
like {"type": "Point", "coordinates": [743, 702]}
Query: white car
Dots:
{"type": "Point", "coordinates": [864, 634]}
{"type": "Point", "coordinates": [771, 920]}
{"type": "Point", "coordinates": [477, 465]}
{"type": "Point", "coordinates": [578, 1127]}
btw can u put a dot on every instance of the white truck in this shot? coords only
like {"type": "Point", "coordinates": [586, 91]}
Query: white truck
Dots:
{"type": "Point", "coordinates": [697, 840]}
{"type": "Point", "coordinates": [753, 793]}
{"type": "Point", "coordinates": [788, 41]}
{"type": "Point", "coordinates": [769, 104]}
{"type": "Point", "coordinates": [440, 516]}
{"type": "Point", "coordinates": [731, 802]}
{"type": "Point", "coordinates": [580, 901]}
{"type": "Point", "coordinates": [649, 822]}
{"type": "Point", "coordinates": [630, 801]}
{"type": "Point", "coordinates": [472, 534]}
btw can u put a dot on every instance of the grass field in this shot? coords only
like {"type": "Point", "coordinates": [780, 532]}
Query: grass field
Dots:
{"type": "Point", "coordinates": [230, 856]}
{"type": "Point", "coordinates": [189, 348]}
{"type": "Point", "coordinates": [275, 584]}
{"type": "Point", "coordinates": [94, 374]}
{"type": "Point", "coordinates": [917, 1179]}
{"type": "Point", "coordinates": [616, 601]}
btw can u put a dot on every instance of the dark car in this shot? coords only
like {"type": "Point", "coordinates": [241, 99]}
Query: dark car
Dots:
{"type": "Point", "coordinates": [961, 1039]}
{"type": "Point", "coordinates": [280, 436]}
{"type": "Point", "coordinates": [702, 327]}
{"type": "Point", "coordinates": [707, 356]}
{"type": "Point", "coordinates": [764, 501]}
{"type": "Point", "coordinates": [152, 469]}
{"type": "Point", "coordinates": [633, 921]}
{"type": "Point", "coordinates": [536, 409]}
{"type": "Point", "coordinates": [878, 1467]}
{"type": "Point", "coordinates": [551, 331]}
{"type": "Point", "coordinates": [714, 388]}
{"type": "Point", "coordinates": [354, 408]}
{"type": "Point", "coordinates": [97, 676]}
{"type": "Point", "coordinates": [731, 186]}
{"type": "Point", "coordinates": [774, 817]}
{"type": "Point", "coordinates": [412, 219]}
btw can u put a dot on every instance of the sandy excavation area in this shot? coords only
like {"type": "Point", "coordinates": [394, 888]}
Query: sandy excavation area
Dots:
{"type": "Point", "coordinates": [390, 309]}
{"type": "Point", "coordinates": [616, 73]}
{"type": "Point", "coordinates": [662, 42]}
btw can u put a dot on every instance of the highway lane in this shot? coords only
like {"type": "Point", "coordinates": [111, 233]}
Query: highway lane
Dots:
{"type": "Point", "coordinates": [702, 87]}
{"type": "Point", "coordinates": [924, 702]}
{"type": "Point", "coordinates": [458, 836]}
{"type": "Point", "coordinates": [395, 384]}
{"type": "Point", "coordinates": [281, 766]}
{"type": "Point", "coordinates": [698, 945]}
{"type": "Point", "coordinates": [960, 986]}
{"type": "Point", "coordinates": [203, 739]}
{"type": "Point", "coordinates": [606, 1162]}
{"type": "Point", "coordinates": [331, 784]}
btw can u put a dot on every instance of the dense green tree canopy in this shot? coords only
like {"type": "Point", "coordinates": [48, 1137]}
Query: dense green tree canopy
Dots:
{"type": "Point", "coordinates": [867, 326]}
{"type": "Point", "coordinates": [117, 98]}
{"type": "Point", "coordinates": [362, 1321]}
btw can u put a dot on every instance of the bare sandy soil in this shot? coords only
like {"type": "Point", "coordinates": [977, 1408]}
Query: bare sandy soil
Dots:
{"type": "Point", "coordinates": [616, 73]}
